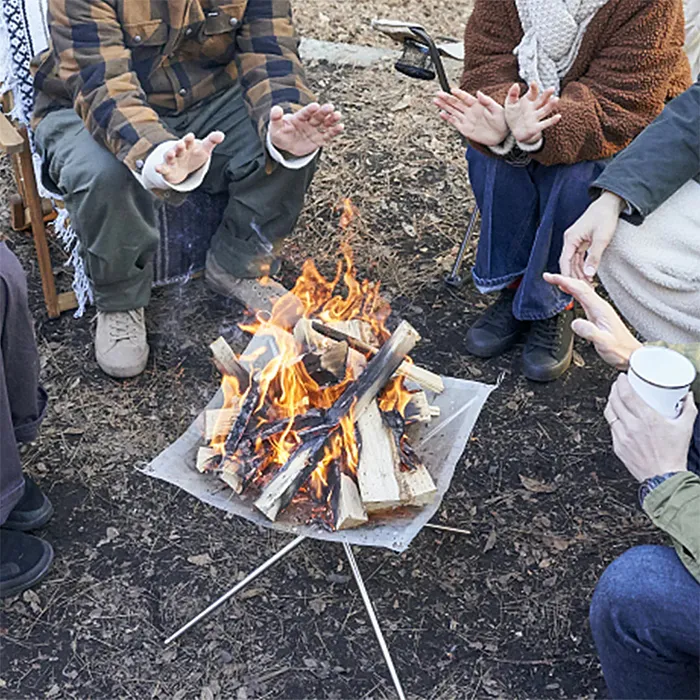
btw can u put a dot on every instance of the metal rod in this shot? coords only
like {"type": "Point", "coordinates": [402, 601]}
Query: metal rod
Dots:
{"type": "Point", "coordinates": [435, 55]}
{"type": "Point", "coordinates": [373, 620]}
{"type": "Point", "coordinates": [454, 279]}
{"type": "Point", "coordinates": [238, 587]}
{"type": "Point", "coordinates": [456, 530]}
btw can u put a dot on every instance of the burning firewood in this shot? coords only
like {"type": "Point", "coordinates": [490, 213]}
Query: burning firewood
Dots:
{"type": "Point", "coordinates": [423, 377]}
{"type": "Point", "coordinates": [228, 363]}
{"type": "Point", "coordinates": [379, 462]}
{"type": "Point", "coordinates": [356, 398]}
{"type": "Point", "coordinates": [218, 422]}
{"type": "Point", "coordinates": [328, 366]}
{"type": "Point", "coordinates": [348, 508]}
{"type": "Point", "coordinates": [321, 422]}
{"type": "Point", "coordinates": [208, 459]}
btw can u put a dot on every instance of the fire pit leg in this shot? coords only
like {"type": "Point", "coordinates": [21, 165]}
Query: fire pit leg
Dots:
{"type": "Point", "coordinates": [373, 619]}
{"type": "Point", "coordinates": [238, 587]}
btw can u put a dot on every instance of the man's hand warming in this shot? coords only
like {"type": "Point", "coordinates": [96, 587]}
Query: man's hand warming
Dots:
{"type": "Point", "coordinates": [480, 119]}
{"type": "Point", "coordinates": [528, 116]}
{"type": "Point", "coordinates": [187, 156]}
{"type": "Point", "coordinates": [646, 442]}
{"type": "Point", "coordinates": [602, 327]}
{"type": "Point", "coordinates": [309, 129]}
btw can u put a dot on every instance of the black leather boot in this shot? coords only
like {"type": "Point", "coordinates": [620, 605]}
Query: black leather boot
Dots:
{"type": "Point", "coordinates": [549, 348]}
{"type": "Point", "coordinates": [497, 330]}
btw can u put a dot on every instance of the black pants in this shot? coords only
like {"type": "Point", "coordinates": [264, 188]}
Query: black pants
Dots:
{"type": "Point", "coordinates": [22, 400]}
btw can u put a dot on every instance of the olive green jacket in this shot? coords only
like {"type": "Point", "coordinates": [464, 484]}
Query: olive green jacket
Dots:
{"type": "Point", "coordinates": [674, 505]}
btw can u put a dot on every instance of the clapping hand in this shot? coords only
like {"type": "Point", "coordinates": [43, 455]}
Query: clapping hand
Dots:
{"type": "Point", "coordinates": [480, 119]}
{"type": "Point", "coordinates": [528, 116]}
{"type": "Point", "coordinates": [305, 131]}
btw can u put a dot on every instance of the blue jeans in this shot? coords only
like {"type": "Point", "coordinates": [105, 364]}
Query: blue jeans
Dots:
{"type": "Point", "coordinates": [524, 214]}
{"type": "Point", "coordinates": [645, 620]}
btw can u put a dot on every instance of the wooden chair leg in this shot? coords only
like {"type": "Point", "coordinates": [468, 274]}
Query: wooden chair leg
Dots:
{"type": "Point", "coordinates": [33, 202]}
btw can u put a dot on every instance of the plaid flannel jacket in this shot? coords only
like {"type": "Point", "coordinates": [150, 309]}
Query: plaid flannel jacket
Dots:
{"type": "Point", "coordinates": [119, 63]}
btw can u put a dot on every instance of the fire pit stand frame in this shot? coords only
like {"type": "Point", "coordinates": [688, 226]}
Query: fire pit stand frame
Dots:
{"type": "Point", "coordinates": [358, 579]}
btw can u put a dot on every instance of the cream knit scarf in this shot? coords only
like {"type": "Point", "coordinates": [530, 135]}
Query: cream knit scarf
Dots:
{"type": "Point", "coordinates": [554, 30]}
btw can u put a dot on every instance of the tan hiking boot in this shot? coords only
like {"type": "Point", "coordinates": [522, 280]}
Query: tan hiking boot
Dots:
{"type": "Point", "coordinates": [253, 294]}
{"type": "Point", "coordinates": [121, 349]}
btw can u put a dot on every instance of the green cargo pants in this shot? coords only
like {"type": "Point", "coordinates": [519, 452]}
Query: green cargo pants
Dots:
{"type": "Point", "coordinates": [115, 217]}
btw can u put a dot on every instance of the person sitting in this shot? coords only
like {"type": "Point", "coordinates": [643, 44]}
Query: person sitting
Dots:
{"type": "Point", "coordinates": [24, 558]}
{"type": "Point", "coordinates": [645, 612]}
{"type": "Point", "coordinates": [598, 72]}
{"type": "Point", "coordinates": [648, 260]}
{"type": "Point", "coordinates": [136, 99]}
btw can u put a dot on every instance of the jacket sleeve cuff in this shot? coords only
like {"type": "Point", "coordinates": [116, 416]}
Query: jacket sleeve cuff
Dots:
{"type": "Point", "coordinates": [632, 212]}
{"type": "Point", "coordinates": [291, 163]}
{"type": "Point", "coordinates": [154, 181]}
{"type": "Point", "coordinates": [505, 147]}
{"type": "Point", "coordinates": [531, 147]}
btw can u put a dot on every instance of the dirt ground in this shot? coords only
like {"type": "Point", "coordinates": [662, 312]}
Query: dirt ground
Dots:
{"type": "Point", "coordinates": [335, 21]}
{"type": "Point", "coordinates": [501, 612]}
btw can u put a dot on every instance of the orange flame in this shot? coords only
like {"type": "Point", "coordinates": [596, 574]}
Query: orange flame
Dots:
{"type": "Point", "coordinates": [287, 389]}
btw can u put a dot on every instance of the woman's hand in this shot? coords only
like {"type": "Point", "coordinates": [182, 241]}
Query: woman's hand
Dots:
{"type": "Point", "coordinates": [586, 241]}
{"type": "Point", "coordinates": [603, 327]}
{"type": "Point", "coordinates": [480, 119]}
{"type": "Point", "coordinates": [528, 116]}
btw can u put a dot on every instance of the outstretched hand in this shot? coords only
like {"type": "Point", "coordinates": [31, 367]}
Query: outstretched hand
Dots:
{"type": "Point", "coordinates": [528, 116]}
{"type": "Point", "coordinates": [602, 326]}
{"type": "Point", "coordinates": [480, 119]}
{"type": "Point", "coordinates": [305, 131]}
{"type": "Point", "coordinates": [188, 155]}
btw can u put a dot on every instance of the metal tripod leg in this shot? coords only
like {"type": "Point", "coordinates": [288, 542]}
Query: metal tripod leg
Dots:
{"type": "Point", "coordinates": [454, 279]}
{"type": "Point", "coordinates": [373, 619]}
{"type": "Point", "coordinates": [238, 587]}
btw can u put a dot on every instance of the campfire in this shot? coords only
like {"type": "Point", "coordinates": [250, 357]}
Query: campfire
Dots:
{"type": "Point", "coordinates": [321, 432]}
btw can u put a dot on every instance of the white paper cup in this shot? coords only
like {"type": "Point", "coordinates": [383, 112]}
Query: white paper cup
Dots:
{"type": "Point", "coordinates": [662, 377]}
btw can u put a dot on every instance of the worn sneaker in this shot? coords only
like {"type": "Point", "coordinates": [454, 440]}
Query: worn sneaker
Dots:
{"type": "Point", "coordinates": [121, 349]}
{"type": "Point", "coordinates": [253, 294]}
{"type": "Point", "coordinates": [549, 347]}
{"type": "Point", "coordinates": [24, 561]}
{"type": "Point", "coordinates": [33, 511]}
{"type": "Point", "coordinates": [497, 330]}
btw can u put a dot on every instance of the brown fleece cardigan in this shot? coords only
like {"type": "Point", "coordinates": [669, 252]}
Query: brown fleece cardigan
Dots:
{"type": "Point", "coordinates": [630, 63]}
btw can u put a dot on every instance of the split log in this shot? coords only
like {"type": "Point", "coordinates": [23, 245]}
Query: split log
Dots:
{"type": "Point", "coordinates": [348, 509]}
{"type": "Point", "coordinates": [278, 494]}
{"type": "Point", "coordinates": [328, 366]}
{"type": "Point", "coordinates": [357, 397]}
{"type": "Point", "coordinates": [424, 378]}
{"type": "Point", "coordinates": [379, 462]}
{"type": "Point", "coordinates": [380, 369]}
{"type": "Point", "coordinates": [228, 363]}
{"type": "Point", "coordinates": [418, 409]}
{"type": "Point", "coordinates": [240, 425]}
{"type": "Point", "coordinates": [417, 486]}
{"type": "Point", "coordinates": [229, 475]}
{"type": "Point", "coordinates": [207, 459]}
{"type": "Point", "coordinates": [218, 422]}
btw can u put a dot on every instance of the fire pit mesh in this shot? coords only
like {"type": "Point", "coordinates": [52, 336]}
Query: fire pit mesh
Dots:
{"type": "Point", "coordinates": [439, 444]}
